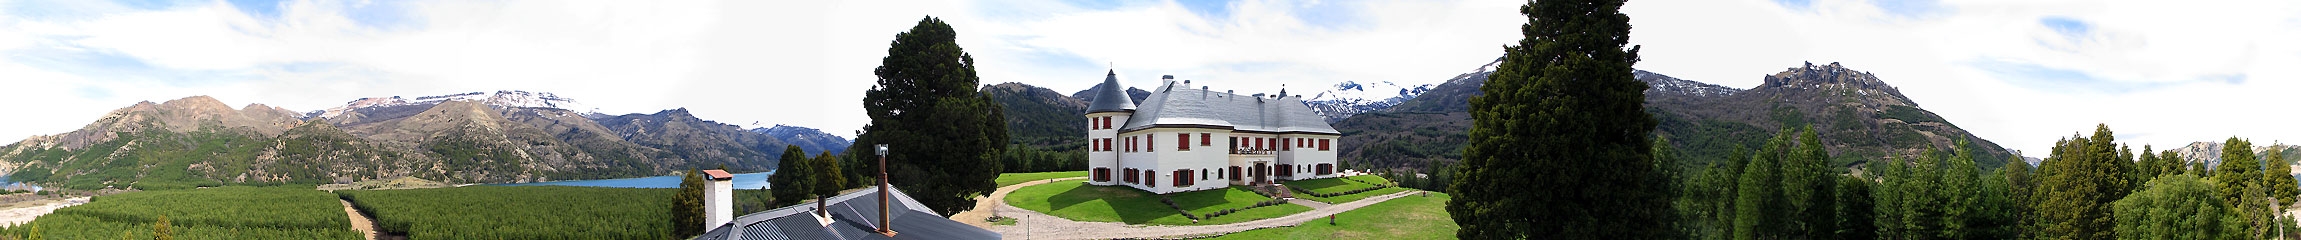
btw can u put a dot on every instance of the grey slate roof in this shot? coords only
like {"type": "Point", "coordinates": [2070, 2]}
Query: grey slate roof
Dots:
{"type": "Point", "coordinates": [855, 216]}
{"type": "Point", "coordinates": [1173, 105]}
{"type": "Point", "coordinates": [1109, 97]}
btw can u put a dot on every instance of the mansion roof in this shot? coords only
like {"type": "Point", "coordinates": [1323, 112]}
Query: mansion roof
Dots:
{"type": "Point", "coordinates": [1175, 105]}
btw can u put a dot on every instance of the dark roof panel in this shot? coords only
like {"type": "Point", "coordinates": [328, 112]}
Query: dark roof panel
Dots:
{"type": "Point", "coordinates": [856, 217]}
{"type": "Point", "coordinates": [1109, 97]}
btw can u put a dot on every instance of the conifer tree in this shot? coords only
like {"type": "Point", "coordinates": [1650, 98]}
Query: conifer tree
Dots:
{"type": "Point", "coordinates": [1562, 113]}
{"type": "Point", "coordinates": [1760, 207]}
{"type": "Point", "coordinates": [1888, 194]}
{"type": "Point", "coordinates": [794, 177]}
{"type": "Point", "coordinates": [2239, 181]}
{"type": "Point", "coordinates": [2149, 166]}
{"type": "Point", "coordinates": [945, 135]}
{"type": "Point", "coordinates": [2076, 186]}
{"type": "Point", "coordinates": [1856, 209]}
{"type": "Point", "coordinates": [687, 205]}
{"type": "Point", "coordinates": [2279, 175]}
{"type": "Point", "coordinates": [827, 178]}
{"type": "Point", "coordinates": [2020, 183]}
{"type": "Point", "coordinates": [1814, 187]}
{"type": "Point", "coordinates": [1960, 185]}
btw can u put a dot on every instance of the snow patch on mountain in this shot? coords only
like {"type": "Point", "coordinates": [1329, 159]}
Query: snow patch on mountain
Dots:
{"type": "Point", "coordinates": [504, 98]}
{"type": "Point", "coordinates": [1350, 98]}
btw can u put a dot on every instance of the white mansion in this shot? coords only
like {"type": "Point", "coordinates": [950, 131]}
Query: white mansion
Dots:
{"type": "Point", "coordinates": [1188, 139]}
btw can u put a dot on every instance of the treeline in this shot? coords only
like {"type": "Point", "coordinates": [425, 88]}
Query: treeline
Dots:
{"type": "Point", "coordinates": [1020, 158]}
{"type": "Point", "coordinates": [214, 213]}
{"type": "Point", "coordinates": [2091, 187]}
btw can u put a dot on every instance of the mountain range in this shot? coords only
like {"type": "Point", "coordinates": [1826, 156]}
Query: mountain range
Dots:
{"type": "Point", "coordinates": [499, 137]}
{"type": "Point", "coordinates": [1858, 116]}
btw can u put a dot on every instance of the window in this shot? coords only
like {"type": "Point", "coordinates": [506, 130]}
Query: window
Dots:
{"type": "Point", "coordinates": [1325, 168]}
{"type": "Point", "coordinates": [1130, 175]}
{"type": "Point", "coordinates": [1204, 139]}
{"type": "Point", "coordinates": [1102, 174]}
{"type": "Point", "coordinates": [1287, 146]}
{"type": "Point", "coordinates": [1202, 174]}
{"type": "Point", "coordinates": [1218, 172]}
{"type": "Point", "coordinates": [1184, 138]}
{"type": "Point", "coordinates": [1322, 143]}
{"type": "Point", "coordinates": [1234, 173]}
{"type": "Point", "coordinates": [1150, 143]}
{"type": "Point", "coordinates": [1258, 144]}
{"type": "Point", "coordinates": [1150, 178]}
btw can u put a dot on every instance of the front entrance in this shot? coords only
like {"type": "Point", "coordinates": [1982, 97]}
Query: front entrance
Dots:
{"type": "Point", "coordinates": [1261, 173]}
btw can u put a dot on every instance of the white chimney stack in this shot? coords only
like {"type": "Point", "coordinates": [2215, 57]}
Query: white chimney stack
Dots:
{"type": "Point", "coordinates": [718, 199]}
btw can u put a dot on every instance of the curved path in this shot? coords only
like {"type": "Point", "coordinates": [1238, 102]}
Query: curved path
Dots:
{"type": "Point", "coordinates": [1036, 225]}
{"type": "Point", "coordinates": [984, 204]}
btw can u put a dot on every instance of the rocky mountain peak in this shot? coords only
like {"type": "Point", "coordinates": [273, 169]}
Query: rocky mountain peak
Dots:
{"type": "Point", "coordinates": [1835, 79]}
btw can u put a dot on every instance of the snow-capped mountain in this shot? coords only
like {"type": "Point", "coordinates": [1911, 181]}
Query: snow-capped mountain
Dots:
{"type": "Point", "coordinates": [1351, 98]}
{"type": "Point", "coordinates": [504, 98]}
{"type": "Point", "coordinates": [808, 139]}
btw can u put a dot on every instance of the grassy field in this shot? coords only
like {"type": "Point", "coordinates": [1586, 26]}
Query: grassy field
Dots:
{"type": "Point", "coordinates": [1076, 200]}
{"type": "Point", "coordinates": [1335, 185]}
{"type": "Point", "coordinates": [524, 212]}
{"type": "Point", "coordinates": [212, 213]}
{"type": "Point", "coordinates": [1410, 217]}
{"type": "Point", "coordinates": [1010, 179]}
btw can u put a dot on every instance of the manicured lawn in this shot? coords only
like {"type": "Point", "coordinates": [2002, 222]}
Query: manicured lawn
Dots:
{"type": "Point", "coordinates": [1010, 179]}
{"type": "Point", "coordinates": [1335, 185]}
{"type": "Point", "coordinates": [1078, 201]}
{"type": "Point", "coordinates": [1409, 217]}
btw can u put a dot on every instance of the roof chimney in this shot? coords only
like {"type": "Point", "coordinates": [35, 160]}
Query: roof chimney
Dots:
{"type": "Point", "coordinates": [886, 226]}
{"type": "Point", "coordinates": [1166, 80]}
{"type": "Point", "coordinates": [718, 198]}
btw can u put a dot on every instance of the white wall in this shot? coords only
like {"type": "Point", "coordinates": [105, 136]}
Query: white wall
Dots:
{"type": "Point", "coordinates": [720, 202]}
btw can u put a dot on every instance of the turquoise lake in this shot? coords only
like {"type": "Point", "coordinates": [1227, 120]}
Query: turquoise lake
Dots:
{"type": "Point", "coordinates": [742, 181]}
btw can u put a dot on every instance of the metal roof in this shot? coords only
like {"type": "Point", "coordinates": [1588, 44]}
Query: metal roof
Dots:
{"type": "Point", "coordinates": [855, 216]}
{"type": "Point", "coordinates": [1173, 105]}
{"type": "Point", "coordinates": [716, 174]}
{"type": "Point", "coordinates": [1109, 97]}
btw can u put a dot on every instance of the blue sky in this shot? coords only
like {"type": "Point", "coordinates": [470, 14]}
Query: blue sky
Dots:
{"type": "Point", "coordinates": [2020, 72]}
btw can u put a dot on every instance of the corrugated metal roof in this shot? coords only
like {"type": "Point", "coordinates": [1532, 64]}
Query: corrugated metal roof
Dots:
{"type": "Point", "coordinates": [855, 215]}
{"type": "Point", "coordinates": [1172, 105]}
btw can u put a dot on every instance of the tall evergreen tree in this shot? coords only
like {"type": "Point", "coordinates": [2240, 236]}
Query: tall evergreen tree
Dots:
{"type": "Point", "coordinates": [826, 178]}
{"type": "Point", "coordinates": [1856, 209]}
{"type": "Point", "coordinates": [2076, 185]}
{"type": "Point", "coordinates": [1761, 206]}
{"type": "Point", "coordinates": [2149, 165]}
{"type": "Point", "coordinates": [2279, 175]}
{"type": "Point", "coordinates": [1563, 114]}
{"type": "Point", "coordinates": [1891, 176]}
{"type": "Point", "coordinates": [2020, 181]}
{"type": "Point", "coordinates": [1922, 198]}
{"type": "Point", "coordinates": [945, 135]}
{"type": "Point", "coordinates": [2170, 163]}
{"type": "Point", "coordinates": [1962, 210]}
{"type": "Point", "coordinates": [794, 177]}
{"type": "Point", "coordinates": [1811, 185]}
{"type": "Point", "coordinates": [687, 205]}
{"type": "Point", "coordinates": [2239, 181]}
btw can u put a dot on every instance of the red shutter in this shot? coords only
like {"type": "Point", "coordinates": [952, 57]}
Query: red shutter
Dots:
{"type": "Point", "coordinates": [1183, 138]}
{"type": "Point", "coordinates": [1150, 143]}
{"type": "Point", "coordinates": [1205, 138]}
{"type": "Point", "coordinates": [1322, 143]}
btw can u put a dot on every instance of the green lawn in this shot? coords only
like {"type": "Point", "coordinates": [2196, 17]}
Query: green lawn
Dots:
{"type": "Point", "coordinates": [1078, 201]}
{"type": "Point", "coordinates": [1010, 179]}
{"type": "Point", "coordinates": [1334, 185]}
{"type": "Point", "coordinates": [1409, 217]}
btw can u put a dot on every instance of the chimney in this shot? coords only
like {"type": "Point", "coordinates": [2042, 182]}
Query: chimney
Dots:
{"type": "Point", "coordinates": [886, 226]}
{"type": "Point", "coordinates": [1166, 80]}
{"type": "Point", "coordinates": [718, 199]}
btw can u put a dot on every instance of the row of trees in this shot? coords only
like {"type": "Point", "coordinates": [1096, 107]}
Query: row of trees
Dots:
{"type": "Point", "coordinates": [2090, 188]}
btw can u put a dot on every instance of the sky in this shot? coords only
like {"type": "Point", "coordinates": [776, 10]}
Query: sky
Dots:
{"type": "Point", "coordinates": [2022, 73]}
